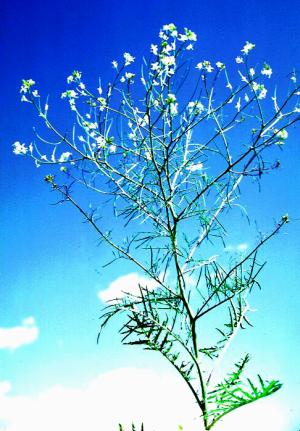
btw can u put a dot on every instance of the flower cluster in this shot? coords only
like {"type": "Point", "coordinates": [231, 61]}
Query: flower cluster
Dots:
{"type": "Point", "coordinates": [195, 107]}
{"type": "Point", "coordinates": [74, 77]}
{"type": "Point", "coordinates": [26, 85]}
{"type": "Point", "coordinates": [26, 88]}
{"type": "Point", "coordinates": [166, 55]}
{"type": "Point", "coordinates": [260, 90]}
{"type": "Point", "coordinates": [161, 104]}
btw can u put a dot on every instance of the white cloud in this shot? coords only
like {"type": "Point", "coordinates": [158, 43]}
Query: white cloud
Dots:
{"type": "Point", "coordinates": [17, 336]}
{"type": "Point", "coordinates": [5, 387]}
{"type": "Point", "coordinates": [124, 396]}
{"type": "Point", "coordinates": [128, 283]}
{"type": "Point", "coordinates": [238, 247]}
{"type": "Point", "coordinates": [242, 247]}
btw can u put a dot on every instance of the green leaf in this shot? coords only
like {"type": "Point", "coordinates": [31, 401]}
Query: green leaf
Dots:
{"type": "Point", "coordinates": [234, 392]}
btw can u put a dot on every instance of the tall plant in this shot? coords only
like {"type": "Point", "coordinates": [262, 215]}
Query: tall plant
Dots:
{"type": "Point", "coordinates": [168, 148]}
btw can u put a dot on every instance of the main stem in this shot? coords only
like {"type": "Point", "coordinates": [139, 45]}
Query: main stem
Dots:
{"type": "Point", "coordinates": [192, 323]}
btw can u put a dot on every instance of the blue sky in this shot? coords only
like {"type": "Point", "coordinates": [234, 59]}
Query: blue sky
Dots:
{"type": "Point", "coordinates": [51, 262]}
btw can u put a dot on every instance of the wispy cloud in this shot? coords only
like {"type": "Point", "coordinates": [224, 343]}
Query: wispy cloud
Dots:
{"type": "Point", "coordinates": [128, 283]}
{"type": "Point", "coordinates": [127, 395]}
{"type": "Point", "coordinates": [17, 336]}
{"type": "Point", "coordinates": [238, 247]}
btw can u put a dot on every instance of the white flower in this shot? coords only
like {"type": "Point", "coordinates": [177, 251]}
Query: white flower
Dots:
{"type": "Point", "coordinates": [220, 65]}
{"type": "Point", "coordinates": [65, 157]}
{"type": "Point", "coordinates": [70, 79]}
{"type": "Point", "coordinates": [168, 60]}
{"type": "Point", "coordinates": [128, 58]}
{"type": "Point", "coordinates": [129, 76]}
{"type": "Point", "coordinates": [72, 104]}
{"type": "Point", "coordinates": [81, 138]}
{"type": "Point", "coordinates": [293, 78]}
{"type": "Point", "coordinates": [81, 85]}
{"type": "Point", "coordinates": [89, 125]}
{"type": "Point", "coordinates": [182, 38]}
{"type": "Point", "coordinates": [205, 65]}
{"type": "Point", "coordinates": [35, 93]}
{"type": "Point", "coordinates": [190, 35]}
{"type": "Point", "coordinates": [263, 93]}
{"type": "Point", "coordinates": [148, 155]}
{"type": "Point", "coordinates": [112, 148]}
{"type": "Point", "coordinates": [102, 102]}
{"type": "Point", "coordinates": [251, 71]}
{"type": "Point", "coordinates": [261, 88]}
{"type": "Point", "coordinates": [46, 107]}
{"type": "Point", "coordinates": [170, 72]}
{"type": "Point", "coordinates": [239, 60]}
{"type": "Point", "coordinates": [26, 85]}
{"type": "Point", "coordinates": [229, 86]}
{"type": "Point", "coordinates": [196, 107]}
{"type": "Point", "coordinates": [167, 49]}
{"type": "Point", "coordinates": [248, 47]}
{"type": "Point", "coordinates": [247, 98]}
{"type": "Point", "coordinates": [267, 70]}
{"type": "Point", "coordinates": [115, 64]}
{"type": "Point", "coordinates": [173, 108]}
{"type": "Point", "coordinates": [24, 98]}
{"type": "Point", "coordinates": [19, 149]}
{"type": "Point", "coordinates": [154, 49]}
{"type": "Point", "coordinates": [189, 47]}
{"type": "Point", "coordinates": [281, 134]}
{"type": "Point", "coordinates": [169, 27]}
{"type": "Point", "coordinates": [101, 141]}
{"type": "Point", "coordinates": [163, 36]}
{"type": "Point", "coordinates": [70, 94]}
{"type": "Point", "coordinates": [171, 98]}
{"type": "Point", "coordinates": [297, 109]}
{"type": "Point", "coordinates": [77, 75]}
{"type": "Point", "coordinates": [195, 167]}
{"type": "Point", "coordinates": [155, 66]}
